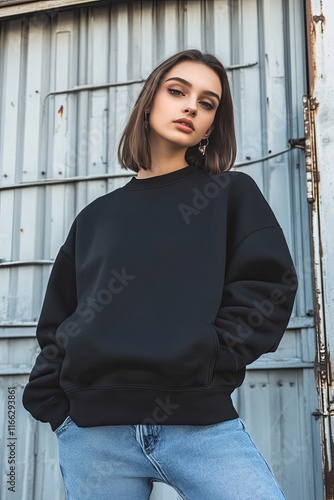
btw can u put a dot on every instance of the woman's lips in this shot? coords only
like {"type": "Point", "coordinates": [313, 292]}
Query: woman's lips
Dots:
{"type": "Point", "coordinates": [183, 127]}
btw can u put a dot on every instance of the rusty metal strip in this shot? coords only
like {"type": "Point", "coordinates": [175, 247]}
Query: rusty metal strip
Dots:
{"type": "Point", "coordinates": [310, 106]}
{"type": "Point", "coordinates": [316, 38]}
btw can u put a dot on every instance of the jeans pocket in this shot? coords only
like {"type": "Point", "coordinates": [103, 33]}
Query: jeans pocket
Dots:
{"type": "Point", "coordinates": [68, 420]}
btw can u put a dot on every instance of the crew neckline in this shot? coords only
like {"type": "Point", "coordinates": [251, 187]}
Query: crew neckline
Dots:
{"type": "Point", "coordinates": [163, 179]}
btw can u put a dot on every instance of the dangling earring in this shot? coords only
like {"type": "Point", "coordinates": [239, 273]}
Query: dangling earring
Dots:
{"type": "Point", "coordinates": [202, 147]}
{"type": "Point", "coordinates": [146, 123]}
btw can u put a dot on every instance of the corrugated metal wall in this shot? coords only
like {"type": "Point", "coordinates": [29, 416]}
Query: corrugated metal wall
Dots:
{"type": "Point", "coordinates": [52, 127]}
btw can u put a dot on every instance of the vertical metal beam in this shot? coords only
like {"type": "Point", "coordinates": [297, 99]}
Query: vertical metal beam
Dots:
{"type": "Point", "coordinates": [319, 110]}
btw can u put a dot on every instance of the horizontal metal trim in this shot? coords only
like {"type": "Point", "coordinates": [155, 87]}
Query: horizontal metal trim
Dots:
{"type": "Point", "coordinates": [37, 262]}
{"type": "Point", "coordinates": [240, 66]}
{"type": "Point", "coordinates": [18, 324]}
{"type": "Point", "coordinates": [15, 2]}
{"type": "Point", "coordinates": [263, 158]}
{"type": "Point", "coordinates": [298, 322]}
{"type": "Point", "coordinates": [87, 178]}
{"type": "Point", "coordinates": [82, 88]}
{"type": "Point", "coordinates": [15, 369]}
{"type": "Point", "coordinates": [280, 365]}
{"type": "Point", "coordinates": [25, 369]}
{"type": "Point", "coordinates": [294, 324]}
{"type": "Point", "coordinates": [17, 8]}
{"type": "Point", "coordinates": [85, 88]}
{"type": "Point", "coordinates": [20, 333]}
{"type": "Point", "coordinates": [67, 180]}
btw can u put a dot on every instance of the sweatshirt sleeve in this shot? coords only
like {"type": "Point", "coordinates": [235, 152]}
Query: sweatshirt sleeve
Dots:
{"type": "Point", "coordinates": [42, 396]}
{"type": "Point", "coordinates": [260, 284]}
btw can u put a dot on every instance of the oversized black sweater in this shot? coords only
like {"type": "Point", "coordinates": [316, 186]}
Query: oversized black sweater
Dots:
{"type": "Point", "coordinates": [164, 290]}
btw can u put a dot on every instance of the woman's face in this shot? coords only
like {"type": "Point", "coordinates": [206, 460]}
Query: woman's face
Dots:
{"type": "Point", "coordinates": [184, 106]}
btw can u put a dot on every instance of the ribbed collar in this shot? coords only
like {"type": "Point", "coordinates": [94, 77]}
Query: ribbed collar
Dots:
{"type": "Point", "coordinates": [162, 180]}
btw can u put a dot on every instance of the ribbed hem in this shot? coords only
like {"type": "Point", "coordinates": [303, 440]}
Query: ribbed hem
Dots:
{"type": "Point", "coordinates": [162, 180]}
{"type": "Point", "coordinates": [54, 413]}
{"type": "Point", "coordinates": [94, 407]}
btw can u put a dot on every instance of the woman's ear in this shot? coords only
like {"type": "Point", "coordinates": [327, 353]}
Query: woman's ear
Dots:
{"type": "Point", "coordinates": [208, 132]}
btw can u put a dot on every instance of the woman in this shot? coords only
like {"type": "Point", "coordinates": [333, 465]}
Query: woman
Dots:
{"type": "Point", "coordinates": [164, 290]}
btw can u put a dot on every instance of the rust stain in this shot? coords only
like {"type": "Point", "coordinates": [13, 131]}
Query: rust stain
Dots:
{"type": "Point", "coordinates": [321, 19]}
{"type": "Point", "coordinates": [311, 23]}
{"type": "Point", "coordinates": [61, 111]}
{"type": "Point", "coordinates": [310, 106]}
{"type": "Point", "coordinates": [322, 366]}
{"type": "Point", "coordinates": [311, 40]}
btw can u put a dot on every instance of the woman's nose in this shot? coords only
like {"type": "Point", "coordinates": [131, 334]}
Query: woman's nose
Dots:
{"type": "Point", "coordinates": [190, 108]}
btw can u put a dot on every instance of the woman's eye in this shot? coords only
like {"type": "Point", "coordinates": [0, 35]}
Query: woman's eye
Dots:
{"type": "Point", "coordinates": [207, 105]}
{"type": "Point", "coordinates": [204, 104]}
{"type": "Point", "coordinates": [175, 92]}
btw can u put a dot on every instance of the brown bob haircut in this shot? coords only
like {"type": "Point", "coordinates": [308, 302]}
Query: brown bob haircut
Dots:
{"type": "Point", "coordinates": [134, 148]}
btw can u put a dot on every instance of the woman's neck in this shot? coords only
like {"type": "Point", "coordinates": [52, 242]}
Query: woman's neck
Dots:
{"type": "Point", "coordinates": [164, 161]}
{"type": "Point", "coordinates": [159, 170]}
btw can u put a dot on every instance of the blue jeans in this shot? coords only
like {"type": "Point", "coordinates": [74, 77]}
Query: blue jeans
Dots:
{"type": "Point", "coordinates": [120, 462]}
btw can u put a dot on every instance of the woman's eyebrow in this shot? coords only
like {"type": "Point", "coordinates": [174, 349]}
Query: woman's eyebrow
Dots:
{"type": "Point", "coordinates": [188, 84]}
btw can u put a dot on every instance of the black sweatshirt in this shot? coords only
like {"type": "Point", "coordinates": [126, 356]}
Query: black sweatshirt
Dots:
{"type": "Point", "coordinates": [164, 290]}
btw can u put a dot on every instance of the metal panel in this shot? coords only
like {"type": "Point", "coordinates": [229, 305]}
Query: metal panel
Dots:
{"type": "Point", "coordinates": [279, 421]}
{"type": "Point", "coordinates": [31, 439]}
{"type": "Point", "coordinates": [63, 107]}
